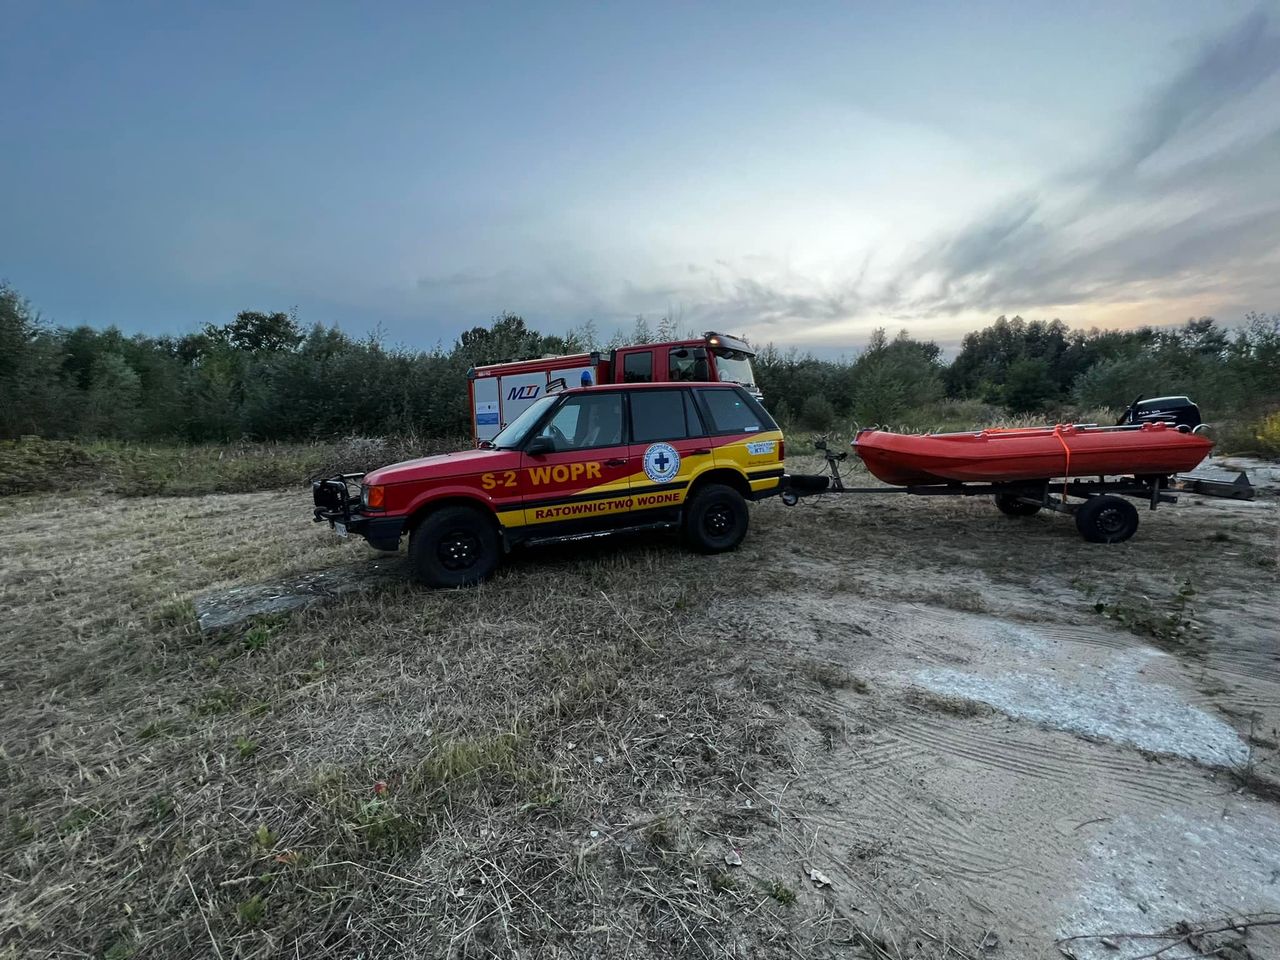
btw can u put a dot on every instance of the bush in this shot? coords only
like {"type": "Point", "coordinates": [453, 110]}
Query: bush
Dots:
{"type": "Point", "coordinates": [1259, 438]}
{"type": "Point", "coordinates": [880, 396]}
{"type": "Point", "coordinates": [1267, 432]}
{"type": "Point", "coordinates": [818, 413]}
{"type": "Point", "coordinates": [1028, 386]}
{"type": "Point", "coordinates": [950, 416]}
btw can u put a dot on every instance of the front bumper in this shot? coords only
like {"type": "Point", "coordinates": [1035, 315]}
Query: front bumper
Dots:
{"type": "Point", "coordinates": [335, 504]}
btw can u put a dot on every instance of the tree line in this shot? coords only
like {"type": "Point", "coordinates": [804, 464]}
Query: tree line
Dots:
{"type": "Point", "coordinates": [1036, 367]}
{"type": "Point", "coordinates": [266, 376]}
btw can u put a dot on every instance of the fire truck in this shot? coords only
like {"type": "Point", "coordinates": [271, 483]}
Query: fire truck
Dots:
{"type": "Point", "coordinates": [500, 392]}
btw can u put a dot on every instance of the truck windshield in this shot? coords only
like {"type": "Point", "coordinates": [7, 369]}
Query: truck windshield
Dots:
{"type": "Point", "coordinates": [735, 368]}
{"type": "Point", "coordinates": [513, 433]}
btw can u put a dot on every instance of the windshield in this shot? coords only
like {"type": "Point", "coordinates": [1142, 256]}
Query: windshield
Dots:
{"type": "Point", "coordinates": [514, 433]}
{"type": "Point", "coordinates": [735, 368]}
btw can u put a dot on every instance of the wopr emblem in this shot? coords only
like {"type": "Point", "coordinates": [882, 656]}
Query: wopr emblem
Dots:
{"type": "Point", "coordinates": [661, 462]}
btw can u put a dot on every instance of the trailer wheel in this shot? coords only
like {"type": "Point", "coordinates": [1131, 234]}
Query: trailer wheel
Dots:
{"type": "Point", "coordinates": [453, 547]}
{"type": "Point", "coordinates": [1107, 519]}
{"type": "Point", "coordinates": [716, 519]}
{"type": "Point", "coordinates": [1012, 506]}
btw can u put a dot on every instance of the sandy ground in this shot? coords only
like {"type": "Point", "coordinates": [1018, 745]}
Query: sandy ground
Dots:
{"type": "Point", "coordinates": [1013, 767]}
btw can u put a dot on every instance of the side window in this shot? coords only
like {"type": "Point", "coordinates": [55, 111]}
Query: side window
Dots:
{"type": "Point", "coordinates": [589, 420]}
{"type": "Point", "coordinates": [691, 417]}
{"type": "Point", "coordinates": [637, 367]}
{"type": "Point", "coordinates": [688, 364]}
{"type": "Point", "coordinates": [657, 415]}
{"type": "Point", "coordinates": [731, 411]}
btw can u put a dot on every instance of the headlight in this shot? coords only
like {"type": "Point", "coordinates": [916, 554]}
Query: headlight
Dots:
{"type": "Point", "coordinates": [372, 496]}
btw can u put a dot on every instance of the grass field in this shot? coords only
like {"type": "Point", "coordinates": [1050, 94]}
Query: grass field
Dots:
{"type": "Point", "coordinates": [557, 763]}
{"type": "Point", "coordinates": [33, 464]}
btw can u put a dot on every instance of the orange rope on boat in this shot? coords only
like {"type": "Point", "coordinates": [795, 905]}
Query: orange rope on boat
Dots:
{"type": "Point", "coordinates": [1057, 432]}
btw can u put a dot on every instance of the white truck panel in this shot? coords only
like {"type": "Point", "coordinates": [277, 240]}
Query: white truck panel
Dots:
{"type": "Point", "coordinates": [572, 377]}
{"type": "Point", "coordinates": [517, 391]}
{"type": "Point", "coordinates": [487, 419]}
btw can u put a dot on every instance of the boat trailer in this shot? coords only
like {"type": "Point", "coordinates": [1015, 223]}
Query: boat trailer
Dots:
{"type": "Point", "coordinates": [1103, 516]}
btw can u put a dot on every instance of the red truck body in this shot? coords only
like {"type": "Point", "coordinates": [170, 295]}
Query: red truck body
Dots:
{"type": "Point", "coordinates": [500, 392]}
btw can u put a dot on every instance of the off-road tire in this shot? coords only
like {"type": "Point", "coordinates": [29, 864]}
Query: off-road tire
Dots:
{"type": "Point", "coordinates": [715, 519]}
{"type": "Point", "coordinates": [1107, 519]}
{"type": "Point", "coordinates": [1011, 506]}
{"type": "Point", "coordinates": [453, 547]}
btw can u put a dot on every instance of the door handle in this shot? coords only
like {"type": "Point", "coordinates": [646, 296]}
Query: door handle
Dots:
{"type": "Point", "coordinates": [700, 452]}
{"type": "Point", "coordinates": [615, 462]}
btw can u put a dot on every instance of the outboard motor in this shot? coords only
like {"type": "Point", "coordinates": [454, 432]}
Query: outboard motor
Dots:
{"type": "Point", "coordinates": [1177, 411]}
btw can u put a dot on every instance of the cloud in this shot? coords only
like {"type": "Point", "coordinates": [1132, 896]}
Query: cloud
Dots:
{"type": "Point", "coordinates": [1231, 67]}
{"type": "Point", "coordinates": [759, 296]}
{"type": "Point", "coordinates": [1180, 213]}
{"type": "Point", "coordinates": [460, 279]}
{"type": "Point", "coordinates": [1184, 202]}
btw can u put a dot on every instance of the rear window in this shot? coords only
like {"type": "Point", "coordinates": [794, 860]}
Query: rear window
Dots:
{"type": "Point", "coordinates": [660, 415]}
{"type": "Point", "coordinates": [733, 411]}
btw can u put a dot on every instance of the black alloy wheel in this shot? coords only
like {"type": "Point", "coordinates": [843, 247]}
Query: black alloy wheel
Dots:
{"type": "Point", "coordinates": [458, 550]}
{"type": "Point", "coordinates": [454, 546]}
{"type": "Point", "coordinates": [1107, 519]}
{"type": "Point", "coordinates": [715, 518]}
{"type": "Point", "coordinates": [1012, 505]}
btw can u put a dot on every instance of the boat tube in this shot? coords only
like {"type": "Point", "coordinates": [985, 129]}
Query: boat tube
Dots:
{"type": "Point", "coordinates": [1032, 453]}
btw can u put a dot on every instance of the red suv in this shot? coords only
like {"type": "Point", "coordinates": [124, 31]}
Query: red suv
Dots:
{"type": "Point", "coordinates": [584, 462]}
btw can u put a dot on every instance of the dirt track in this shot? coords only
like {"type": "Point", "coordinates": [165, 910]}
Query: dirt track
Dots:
{"type": "Point", "coordinates": [986, 733]}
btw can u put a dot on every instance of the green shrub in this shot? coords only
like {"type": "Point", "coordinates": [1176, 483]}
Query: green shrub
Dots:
{"type": "Point", "coordinates": [881, 395]}
{"type": "Point", "coordinates": [818, 413]}
{"type": "Point", "coordinates": [1259, 438]}
{"type": "Point", "coordinates": [1267, 433]}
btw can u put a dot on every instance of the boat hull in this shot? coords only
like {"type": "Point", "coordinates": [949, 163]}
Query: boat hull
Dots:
{"type": "Point", "coordinates": [1037, 453]}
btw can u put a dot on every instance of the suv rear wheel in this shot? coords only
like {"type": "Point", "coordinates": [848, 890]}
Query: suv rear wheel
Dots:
{"type": "Point", "coordinates": [453, 547]}
{"type": "Point", "coordinates": [716, 519]}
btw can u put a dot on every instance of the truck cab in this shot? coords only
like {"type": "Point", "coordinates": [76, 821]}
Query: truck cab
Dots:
{"type": "Point", "coordinates": [582, 462]}
{"type": "Point", "coordinates": [500, 392]}
{"type": "Point", "coordinates": [715, 358]}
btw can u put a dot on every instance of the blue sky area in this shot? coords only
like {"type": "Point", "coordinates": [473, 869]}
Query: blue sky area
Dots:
{"type": "Point", "coordinates": [801, 173]}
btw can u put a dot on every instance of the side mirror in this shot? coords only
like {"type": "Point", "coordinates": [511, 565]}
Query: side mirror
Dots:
{"type": "Point", "coordinates": [540, 446]}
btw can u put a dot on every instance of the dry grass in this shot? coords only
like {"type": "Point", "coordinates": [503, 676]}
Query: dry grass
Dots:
{"type": "Point", "coordinates": [33, 464]}
{"type": "Point", "coordinates": [553, 764]}
{"type": "Point", "coordinates": [545, 760]}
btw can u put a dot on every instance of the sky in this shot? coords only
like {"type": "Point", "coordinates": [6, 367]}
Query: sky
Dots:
{"type": "Point", "coordinates": [797, 173]}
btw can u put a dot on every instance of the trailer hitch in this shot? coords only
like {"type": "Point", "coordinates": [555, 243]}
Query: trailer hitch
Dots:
{"type": "Point", "coordinates": [1238, 489]}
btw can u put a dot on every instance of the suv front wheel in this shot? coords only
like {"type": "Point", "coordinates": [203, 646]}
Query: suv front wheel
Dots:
{"type": "Point", "coordinates": [453, 547]}
{"type": "Point", "coordinates": [716, 519]}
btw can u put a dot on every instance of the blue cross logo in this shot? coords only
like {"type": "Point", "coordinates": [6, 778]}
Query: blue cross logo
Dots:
{"type": "Point", "coordinates": [661, 462]}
